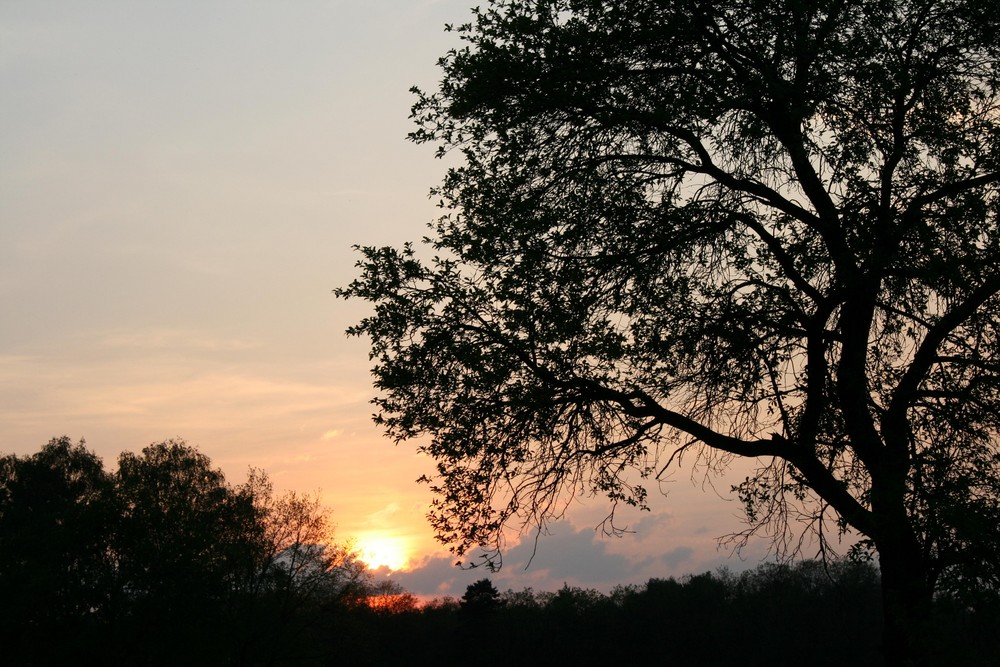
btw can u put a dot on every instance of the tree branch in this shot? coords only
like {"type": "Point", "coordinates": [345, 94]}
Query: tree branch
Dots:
{"type": "Point", "coordinates": [759, 190]}
{"type": "Point", "coordinates": [926, 356]}
{"type": "Point", "coordinates": [949, 190]}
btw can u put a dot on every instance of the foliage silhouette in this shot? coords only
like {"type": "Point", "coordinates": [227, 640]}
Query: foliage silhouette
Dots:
{"type": "Point", "coordinates": [749, 228]}
{"type": "Point", "coordinates": [388, 597]}
{"type": "Point", "coordinates": [774, 615]}
{"type": "Point", "coordinates": [71, 594]}
{"type": "Point", "coordinates": [162, 562]}
{"type": "Point", "coordinates": [481, 597]}
{"type": "Point", "coordinates": [56, 569]}
{"type": "Point", "coordinates": [181, 534]}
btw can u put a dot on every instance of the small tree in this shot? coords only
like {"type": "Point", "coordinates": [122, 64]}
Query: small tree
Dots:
{"type": "Point", "coordinates": [294, 570]}
{"type": "Point", "coordinates": [714, 229]}
{"type": "Point", "coordinates": [297, 553]}
{"type": "Point", "coordinates": [481, 597]}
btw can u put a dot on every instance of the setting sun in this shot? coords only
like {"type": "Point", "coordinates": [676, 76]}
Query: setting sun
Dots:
{"type": "Point", "coordinates": [383, 551]}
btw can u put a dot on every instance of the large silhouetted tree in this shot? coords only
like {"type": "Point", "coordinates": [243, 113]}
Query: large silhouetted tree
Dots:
{"type": "Point", "coordinates": [732, 228]}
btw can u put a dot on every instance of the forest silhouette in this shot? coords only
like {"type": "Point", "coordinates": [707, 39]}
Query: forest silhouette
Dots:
{"type": "Point", "coordinates": [163, 562]}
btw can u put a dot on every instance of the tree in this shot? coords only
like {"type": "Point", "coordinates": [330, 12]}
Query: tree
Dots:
{"type": "Point", "coordinates": [185, 538]}
{"type": "Point", "coordinates": [181, 523]}
{"type": "Point", "coordinates": [715, 229]}
{"type": "Point", "coordinates": [295, 573]}
{"type": "Point", "coordinates": [303, 560]}
{"type": "Point", "coordinates": [57, 517]}
{"type": "Point", "coordinates": [481, 597]}
{"type": "Point", "coordinates": [162, 562]}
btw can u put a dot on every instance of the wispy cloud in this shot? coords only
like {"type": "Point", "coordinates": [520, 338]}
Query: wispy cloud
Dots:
{"type": "Point", "coordinates": [175, 340]}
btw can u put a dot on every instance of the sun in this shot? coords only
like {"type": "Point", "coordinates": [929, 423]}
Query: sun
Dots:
{"type": "Point", "coordinates": [383, 551]}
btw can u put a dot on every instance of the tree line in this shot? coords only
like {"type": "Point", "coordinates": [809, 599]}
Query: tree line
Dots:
{"type": "Point", "coordinates": [809, 612]}
{"type": "Point", "coordinates": [162, 562]}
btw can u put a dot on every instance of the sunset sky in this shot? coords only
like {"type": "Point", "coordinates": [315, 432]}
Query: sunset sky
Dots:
{"type": "Point", "coordinates": [180, 186]}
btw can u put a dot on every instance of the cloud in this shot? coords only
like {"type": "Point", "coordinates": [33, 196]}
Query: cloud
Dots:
{"type": "Point", "coordinates": [677, 556]}
{"type": "Point", "coordinates": [570, 553]}
{"type": "Point", "coordinates": [385, 516]}
{"type": "Point", "coordinates": [437, 576]}
{"type": "Point", "coordinates": [174, 340]}
{"type": "Point", "coordinates": [651, 525]}
{"type": "Point", "coordinates": [561, 554]}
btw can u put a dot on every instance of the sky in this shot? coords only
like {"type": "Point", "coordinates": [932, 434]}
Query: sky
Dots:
{"type": "Point", "coordinates": [181, 185]}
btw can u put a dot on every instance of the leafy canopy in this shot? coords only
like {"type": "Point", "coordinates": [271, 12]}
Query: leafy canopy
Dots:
{"type": "Point", "coordinates": [748, 228]}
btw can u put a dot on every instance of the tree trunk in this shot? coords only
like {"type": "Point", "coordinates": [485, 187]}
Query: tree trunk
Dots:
{"type": "Point", "coordinates": [907, 595]}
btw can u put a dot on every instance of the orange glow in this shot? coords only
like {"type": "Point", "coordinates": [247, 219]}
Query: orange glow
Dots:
{"type": "Point", "coordinates": [396, 603]}
{"type": "Point", "coordinates": [380, 550]}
